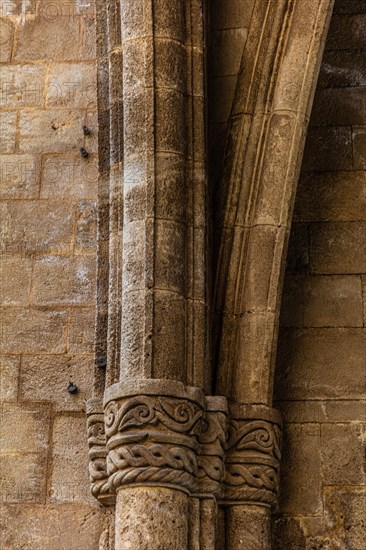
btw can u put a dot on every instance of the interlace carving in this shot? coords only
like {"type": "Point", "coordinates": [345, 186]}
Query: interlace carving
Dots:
{"type": "Point", "coordinates": [252, 461]}
{"type": "Point", "coordinates": [152, 439]}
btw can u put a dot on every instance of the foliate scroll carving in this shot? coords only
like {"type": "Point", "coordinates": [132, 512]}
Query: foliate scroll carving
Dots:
{"type": "Point", "coordinates": [98, 452]}
{"type": "Point", "coordinates": [152, 439]}
{"type": "Point", "coordinates": [253, 454]}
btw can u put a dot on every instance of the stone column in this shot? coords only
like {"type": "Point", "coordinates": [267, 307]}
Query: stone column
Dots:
{"type": "Point", "coordinates": [253, 454]}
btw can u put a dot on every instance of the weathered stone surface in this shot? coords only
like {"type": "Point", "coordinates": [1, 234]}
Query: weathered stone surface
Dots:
{"type": "Point", "coordinates": [342, 447]}
{"type": "Point", "coordinates": [33, 330]}
{"type": "Point", "coordinates": [69, 176]}
{"type": "Point", "coordinates": [332, 196]}
{"type": "Point", "coordinates": [23, 477]}
{"type": "Point", "coordinates": [6, 39]}
{"type": "Point", "coordinates": [71, 526]}
{"type": "Point", "coordinates": [300, 464]}
{"type": "Point", "coordinates": [328, 148]}
{"type": "Point", "coordinates": [248, 528]}
{"type": "Point", "coordinates": [69, 481]}
{"type": "Point", "coordinates": [52, 233]}
{"type": "Point", "coordinates": [71, 85]}
{"type": "Point", "coordinates": [63, 280]}
{"type": "Point", "coordinates": [347, 32]}
{"type": "Point", "coordinates": [338, 247]}
{"type": "Point", "coordinates": [46, 378]}
{"type": "Point", "coordinates": [86, 227]}
{"type": "Point", "coordinates": [9, 371]}
{"type": "Point", "coordinates": [340, 106]}
{"type": "Point", "coordinates": [323, 301]}
{"type": "Point", "coordinates": [342, 68]}
{"type": "Point", "coordinates": [22, 86]}
{"type": "Point", "coordinates": [81, 330]}
{"type": "Point", "coordinates": [359, 148]}
{"type": "Point", "coordinates": [15, 280]}
{"type": "Point", "coordinates": [25, 427]}
{"type": "Point", "coordinates": [8, 131]}
{"type": "Point", "coordinates": [19, 176]}
{"type": "Point", "coordinates": [161, 516]}
{"type": "Point", "coordinates": [317, 364]}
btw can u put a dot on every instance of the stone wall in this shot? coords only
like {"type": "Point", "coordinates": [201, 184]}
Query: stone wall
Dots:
{"type": "Point", "coordinates": [48, 193]}
{"type": "Point", "coordinates": [321, 372]}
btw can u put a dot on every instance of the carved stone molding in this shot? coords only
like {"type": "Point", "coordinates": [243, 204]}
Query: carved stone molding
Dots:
{"type": "Point", "coordinates": [98, 452]}
{"type": "Point", "coordinates": [253, 454]}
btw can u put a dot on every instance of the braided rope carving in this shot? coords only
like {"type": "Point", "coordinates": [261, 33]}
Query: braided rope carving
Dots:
{"type": "Point", "coordinates": [252, 461]}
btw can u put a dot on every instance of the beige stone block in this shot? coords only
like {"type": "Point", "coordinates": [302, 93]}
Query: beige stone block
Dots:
{"type": "Point", "coordinates": [51, 35]}
{"type": "Point", "coordinates": [359, 148]}
{"type": "Point", "coordinates": [329, 411]}
{"type": "Point", "coordinates": [331, 196]}
{"type": "Point", "coordinates": [9, 371]}
{"type": "Point", "coordinates": [15, 278]}
{"type": "Point", "coordinates": [86, 228]}
{"type": "Point", "coordinates": [71, 85]}
{"type": "Point", "coordinates": [8, 132]}
{"type": "Point", "coordinates": [364, 297]}
{"type": "Point", "coordinates": [81, 330]}
{"type": "Point", "coordinates": [328, 148]}
{"type": "Point", "coordinates": [347, 32]}
{"type": "Point", "coordinates": [342, 452]}
{"type": "Point", "coordinates": [338, 247]}
{"type": "Point", "coordinates": [33, 227]}
{"type": "Point", "coordinates": [69, 176]}
{"type": "Point", "coordinates": [87, 31]}
{"type": "Point", "coordinates": [19, 176]}
{"type": "Point", "coordinates": [53, 527]}
{"type": "Point", "coordinates": [170, 256]}
{"type": "Point", "coordinates": [24, 427]}
{"type": "Point", "coordinates": [231, 15]}
{"type": "Point", "coordinates": [6, 39]}
{"type": "Point", "coordinates": [301, 463]}
{"type": "Point", "coordinates": [53, 131]}
{"type": "Point", "coordinates": [70, 481]}
{"type": "Point", "coordinates": [23, 477]}
{"type": "Point", "coordinates": [322, 301]}
{"type": "Point", "coordinates": [339, 106]}
{"type": "Point", "coordinates": [321, 363]}
{"type": "Point", "coordinates": [64, 280]}
{"type": "Point", "coordinates": [33, 330]}
{"type": "Point", "coordinates": [227, 50]}
{"type": "Point", "coordinates": [134, 256]}
{"type": "Point", "coordinates": [22, 86]}
{"type": "Point", "coordinates": [46, 378]}
{"type": "Point", "coordinates": [170, 130]}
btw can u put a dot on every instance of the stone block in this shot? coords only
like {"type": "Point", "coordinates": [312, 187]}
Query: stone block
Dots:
{"type": "Point", "coordinates": [331, 196]}
{"type": "Point", "coordinates": [287, 533]}
{"type": "Point", "coordinates": [347, 32]}
{"type": "Point", "coordinates": [53, 131]}
{"type": "Point", "coordinates": [81, 330]}
{"type": "Point", "coordinates": [23, 477]}
{"type": "Point", "coordinates": [33, 330]}
{"type": "Point", "coordinates": [329, 411]}
{"type": "Point", "coordinates": [64, 280]}
{"type": "Point", "coordinates": [226, 51]}
{"type": "Point", "coordinates": [86, 228]}
{"type": "Point", "coordinates": [223, 90]}
{"type": "Point", "coordinates": [22, 86]}
{"type": "Point", "coordinates": [46, 378]}
{"type": "Point", "coordinates": [321, 364]}
{"type": "Point", "coordinates": [53, 527]}
{"type": "Point", "coordinates": [359, 149]}
{"type": "Point", "coordinates": [87, 32]}
{"type": "Point", "coordinates": [328, 149]}
{"type": "Point", "coordinates": [24, 427]}
{"type": "Point", "coordinates": [342, 68]}
{"type": "Point", "coordinates": [43, 37]}
{"type": "Point", "coordinates": [338, 247]}
{"type": "Point", "coordinates": [71, 85]}
{"type": "Point", "coordinates": [342, 453]}
{"type": "Point", "coordinates": [32, 227]}
{"type": "Point", "coordinates": [322, 301]}
{"type": "Point", "coordinates": [339, 106]}
{"type": "Point", "coordinates": [9, 372]}
{"type": "Point", "coordinates": [69, 176]}
{"type": "Point", "coordinates": [300, 464]}
{"type": "Point", "coordinates": [15, 280]}
{"type": "Point", "coordinates": [19, 176]}
{"type": "Point", "coordinates": [70, 480]}
{"type": "Point", "coordinates": [297, 260]}
{"type": "Point", "coordinates": [349, 6]}
{"type": "Point", "coordinates": [231, 15]}
{"type": "Point", "coordinates": [8, 122]}
{"type": "Point", "coordinates": [364, 297]}
{"type": "Point", "coordinates": [6, 39]}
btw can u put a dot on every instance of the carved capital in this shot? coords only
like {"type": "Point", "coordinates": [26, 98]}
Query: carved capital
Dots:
{"type": "Point", "coordinates": [151, 430]}
{"type": "Point", "coordinates": [97, 452]}
{"type": "Point", "coordinates": [253, 454]}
